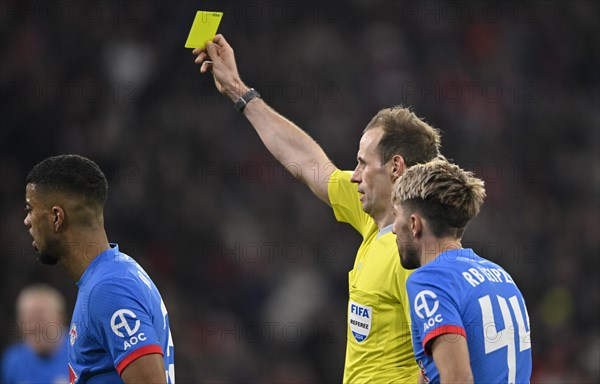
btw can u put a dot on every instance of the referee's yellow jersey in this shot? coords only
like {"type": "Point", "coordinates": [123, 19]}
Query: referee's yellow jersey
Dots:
{"type": "Point", "coordinates": [379, 347]}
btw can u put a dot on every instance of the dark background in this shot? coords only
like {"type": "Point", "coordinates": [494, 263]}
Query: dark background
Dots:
{"type": "Point", "coordinates": [252, 267]}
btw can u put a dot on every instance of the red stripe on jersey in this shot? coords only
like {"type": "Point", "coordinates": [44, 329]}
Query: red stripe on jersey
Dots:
{"type": "Point", "coordinates": [444, 329]}
{"type": "Point", "coordinates": [72, 375]}
{"type": "Point", "coordinates": [143, 351]}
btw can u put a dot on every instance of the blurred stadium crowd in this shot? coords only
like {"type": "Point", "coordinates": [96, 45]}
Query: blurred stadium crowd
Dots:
{"type": "Point", "coordinates": [252, 267]}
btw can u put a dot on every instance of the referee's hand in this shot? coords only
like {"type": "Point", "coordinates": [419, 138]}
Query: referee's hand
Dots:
{"type": "Point", "coordinates": [218, 58]}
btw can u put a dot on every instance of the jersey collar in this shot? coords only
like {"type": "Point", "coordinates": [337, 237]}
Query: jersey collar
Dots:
{"type": "Point", "coordinates": [385, 230]}
{"type": "Point", "coordinates": [457, 254]}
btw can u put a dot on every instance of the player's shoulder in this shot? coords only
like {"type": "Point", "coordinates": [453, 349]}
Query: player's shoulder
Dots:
{"type": "Point", "coordinates": [121, 276]}
{"type": "Point", "coordinates": [109, 295]}
{"type": "Point", "coordinates": [488, 263]}
{"type": "Point", "coordinates": [427, 276]}
{"type": "Point", "coordinates": [118, 266]}
{"type": "Point", "coordinates": [485, 265]}
{"type": "Point", "coordinates": [12, 360]}
{"type": "Point", "coordinates": [15, 353]}
{"type": "Point", "coordinates": [455, 262]}
{"type": "Point", "coordinates": [440, 273]}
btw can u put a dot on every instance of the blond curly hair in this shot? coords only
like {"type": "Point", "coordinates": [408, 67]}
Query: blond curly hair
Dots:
{"type": "Point", "coordinates": [448, 196]}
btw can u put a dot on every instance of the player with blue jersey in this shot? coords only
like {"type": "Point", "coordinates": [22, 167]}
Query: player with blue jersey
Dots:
{"type": "Point", "coordinates": [119, 331]}
{"type": "Point", "coordinates": [120, 310]}
{"type": "Point", "coordinates": [41, 355]}
{"type": "Point", "coordinates": [469, 319]}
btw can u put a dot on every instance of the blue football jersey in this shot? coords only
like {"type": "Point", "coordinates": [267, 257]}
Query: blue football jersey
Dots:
{"type": "Point", "coordinates": [119, 316]}
{"type": "Point", "coordinates": [462, 293]}
{"type": "Point", "coordinates": [20, 364]}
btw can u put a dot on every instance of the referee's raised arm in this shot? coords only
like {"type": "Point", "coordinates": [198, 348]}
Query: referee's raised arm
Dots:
{"type": "Point", "coordinates": [290, 145]}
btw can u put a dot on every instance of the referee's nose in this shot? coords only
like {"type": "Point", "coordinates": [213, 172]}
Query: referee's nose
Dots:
{"type": "Point", "coordinates": [356, 175]}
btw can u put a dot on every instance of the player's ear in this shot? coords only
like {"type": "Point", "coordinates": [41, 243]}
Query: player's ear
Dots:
{"type": "Point", "coordinates": [58, 214]}
{"type": "Point", "coordinates": [398, 166]}
{"type": "Point", "coordinates": [416, 225]}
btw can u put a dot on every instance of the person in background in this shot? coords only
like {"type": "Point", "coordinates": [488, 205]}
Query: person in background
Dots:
{"type": "Point", "coordinates": [41, 355]}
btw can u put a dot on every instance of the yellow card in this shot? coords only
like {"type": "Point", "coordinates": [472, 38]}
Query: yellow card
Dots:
{"type": "Point", "coordinates": [203, 29]}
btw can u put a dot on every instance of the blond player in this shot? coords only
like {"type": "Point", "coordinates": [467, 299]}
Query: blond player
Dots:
{"type": "Point", "coordinates": [379, 346]}
{"type": "Point", "coordinates": [470, 323]}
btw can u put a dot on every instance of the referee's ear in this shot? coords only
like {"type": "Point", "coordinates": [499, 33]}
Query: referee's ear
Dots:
{"type": "Point", "coordinates": [398, 166]}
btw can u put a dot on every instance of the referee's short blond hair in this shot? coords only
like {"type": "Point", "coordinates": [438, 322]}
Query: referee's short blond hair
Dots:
{"type": "Point", "coordinates": [446, 195]}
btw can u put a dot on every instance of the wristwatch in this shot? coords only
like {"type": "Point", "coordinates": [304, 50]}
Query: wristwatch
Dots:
{"type": "Point", "coordinates": [241, 103]}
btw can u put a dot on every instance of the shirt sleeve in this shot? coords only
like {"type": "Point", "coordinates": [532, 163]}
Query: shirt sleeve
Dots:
{"type": "Point", "coordinates": [120, 314]}
{"type": "Point", "coordinates": [433, 306]}
{"type": "Point", "coordinates": [345, 201]}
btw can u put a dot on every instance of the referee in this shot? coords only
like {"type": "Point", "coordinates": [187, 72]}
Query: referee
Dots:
{"type": "Point", "coordinates": [379, 346]}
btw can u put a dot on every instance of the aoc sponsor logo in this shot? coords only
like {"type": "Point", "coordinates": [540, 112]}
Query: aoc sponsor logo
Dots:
{"type": "Point", "coordinates": [119, 320]}
{"type": "Point", "coordinates": [121, 323]}
{"type": "Point", "coordinates": [426, 305]}
{"type": "Point", "coordinates": [423, 307]}
{"type": "Point", "coordinates": [359, 317]}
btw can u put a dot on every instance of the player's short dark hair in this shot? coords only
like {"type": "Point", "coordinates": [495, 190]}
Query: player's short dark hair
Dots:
{"type": "Point", "coordinates": [72, 174]}
{"type": "Point", "coordinates": [405, 134]}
